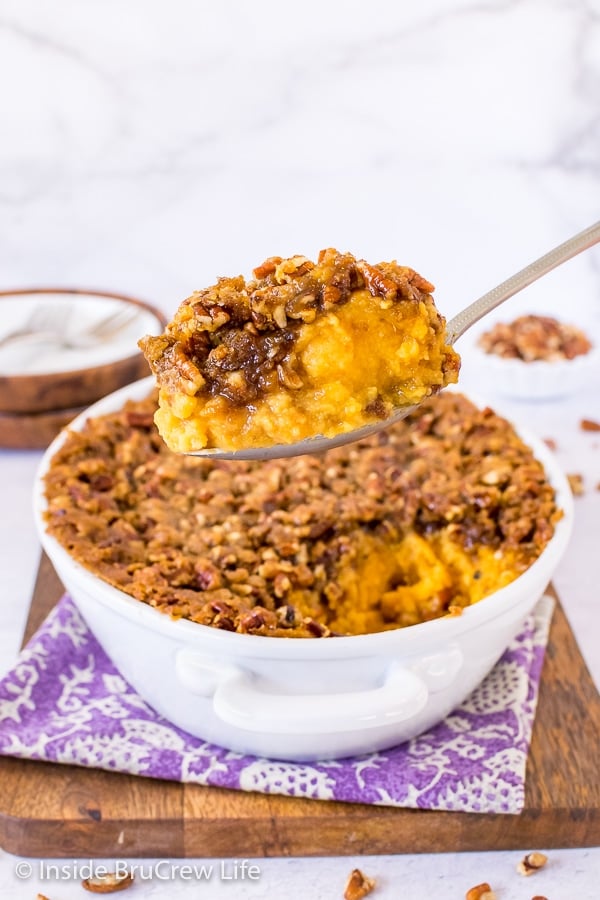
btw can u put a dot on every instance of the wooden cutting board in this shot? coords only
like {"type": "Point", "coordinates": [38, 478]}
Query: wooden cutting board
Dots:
{"type": "Point", "coordinates": [49, 810]}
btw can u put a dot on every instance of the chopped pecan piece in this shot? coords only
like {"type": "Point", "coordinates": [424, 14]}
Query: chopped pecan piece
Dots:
{"type": "Point", "coordinates": [251, 621]}
{"type": "Point", "coordinates": [576, 484]}
{"type": "Point", "coordinates": [377, 282]}
{"type": "Point", "coordinates": [107, 884]}
{"type": "Point", "coordinates": [316, 629]}
{"type": "Point", "coordinates": [358, 885]}
{"type": "Point", "coordinates": [138, 419]}
{"type": "Point", "coordinates": [532, 862]}
{"type": "Point", "coordinates": [331, 295]}
{"type": "Point", "coordinates": [267, 268]}
{"type": "Point", "coordinates": [589, 425]}
{"type": "Point", "coordinates": [289, 378]}
{"type": "Point", "coordinates": [287, 616]}
{"type": "Point", "coordinates": [480, 892]}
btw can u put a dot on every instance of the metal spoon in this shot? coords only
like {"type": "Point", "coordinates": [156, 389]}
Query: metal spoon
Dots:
{"type": "Point", "coordinates": [454, 329]}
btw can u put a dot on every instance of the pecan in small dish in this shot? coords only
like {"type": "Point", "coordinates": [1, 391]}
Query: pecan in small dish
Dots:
{"type": "Point", "coordinates": [532, 338]}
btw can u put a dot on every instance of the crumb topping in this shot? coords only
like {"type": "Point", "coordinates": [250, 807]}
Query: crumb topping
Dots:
{"type": "Point", "coordinates": [232, 338]}
{"type": "Point", "coordinates": [303, 349]}
{"type": "Point", "coordinates": [416, 522]}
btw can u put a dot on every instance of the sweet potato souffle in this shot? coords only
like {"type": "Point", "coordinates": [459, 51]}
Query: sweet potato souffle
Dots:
{"type": "Point", "coordinates": [303, 349]}
{"type": "Point", "coordinates": [414, 523]}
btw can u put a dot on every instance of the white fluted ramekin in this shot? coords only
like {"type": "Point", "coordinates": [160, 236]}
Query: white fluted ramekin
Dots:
{"type": "Point", "coordinates": [302, 699]}
{"type": "Point", "coordinates": [537, 380]}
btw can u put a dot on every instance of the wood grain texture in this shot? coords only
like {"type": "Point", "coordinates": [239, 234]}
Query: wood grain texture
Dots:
{"type": "Point", "coordinates": [49, 810]}
{"type": "Point", "coordinates": [24, 431]}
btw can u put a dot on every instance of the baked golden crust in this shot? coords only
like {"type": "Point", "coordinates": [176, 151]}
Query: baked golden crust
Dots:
{"type": "Point", "coordinates": [417, 522]}
{"type": "Point", "coordinates": [302, 349]}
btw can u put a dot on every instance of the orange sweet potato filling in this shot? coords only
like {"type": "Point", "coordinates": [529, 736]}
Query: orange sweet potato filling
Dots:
{"type": "Point", "coordinates": [303, 349]}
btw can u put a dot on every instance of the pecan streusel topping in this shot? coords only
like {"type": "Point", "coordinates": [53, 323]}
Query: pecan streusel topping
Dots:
{"type": "Point", "coordinates": [301, 349]}
{"type": "Point", "coordinates": [414, 523]}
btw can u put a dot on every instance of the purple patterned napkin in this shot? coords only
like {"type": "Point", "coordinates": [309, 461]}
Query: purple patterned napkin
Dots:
{"type": "Point", "coordinates": [65, 702]}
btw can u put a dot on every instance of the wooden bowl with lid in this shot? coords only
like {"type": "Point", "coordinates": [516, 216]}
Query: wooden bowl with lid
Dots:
{"type": "Point", "coordinates": [62, 349]}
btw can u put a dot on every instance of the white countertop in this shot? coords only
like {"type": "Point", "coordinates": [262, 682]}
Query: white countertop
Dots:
{"type": "Point", "coordinates": [149, 148]}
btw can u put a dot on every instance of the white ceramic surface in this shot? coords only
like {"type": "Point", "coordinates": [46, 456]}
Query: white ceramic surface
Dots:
{"type": "Point", "coordinates": [538, 380]}
{"type": "Point", "coordinates": [301, 700]}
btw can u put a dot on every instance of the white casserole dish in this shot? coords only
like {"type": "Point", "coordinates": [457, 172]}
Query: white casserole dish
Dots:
{"type": "Point", "coordinates": [301, 699]}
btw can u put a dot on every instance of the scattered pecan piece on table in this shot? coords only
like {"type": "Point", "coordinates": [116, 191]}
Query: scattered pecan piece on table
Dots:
{"type": "Point", "coordinates": [576, 484]}
{"type": "Point", "coordinates": [480, 892]}
{"type": "Point", "coordinates": [358, 885]}
{"type": "Point", "coordinates": [107, 884]}
{"type": "Point", "coordinates": [532, 862]}
{"type": "Point", "coordinates": [589, 425]}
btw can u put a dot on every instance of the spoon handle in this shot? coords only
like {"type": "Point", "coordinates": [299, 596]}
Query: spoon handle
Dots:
{"type": "Point", "coordinates": [459, 324]}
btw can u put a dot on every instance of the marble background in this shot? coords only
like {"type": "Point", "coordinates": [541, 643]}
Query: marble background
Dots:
{"type": "Point", "coordinates": [150, 147]}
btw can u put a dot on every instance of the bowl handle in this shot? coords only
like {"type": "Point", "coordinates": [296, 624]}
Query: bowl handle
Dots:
{"type": "Point", "coordinates": [242, 703]}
